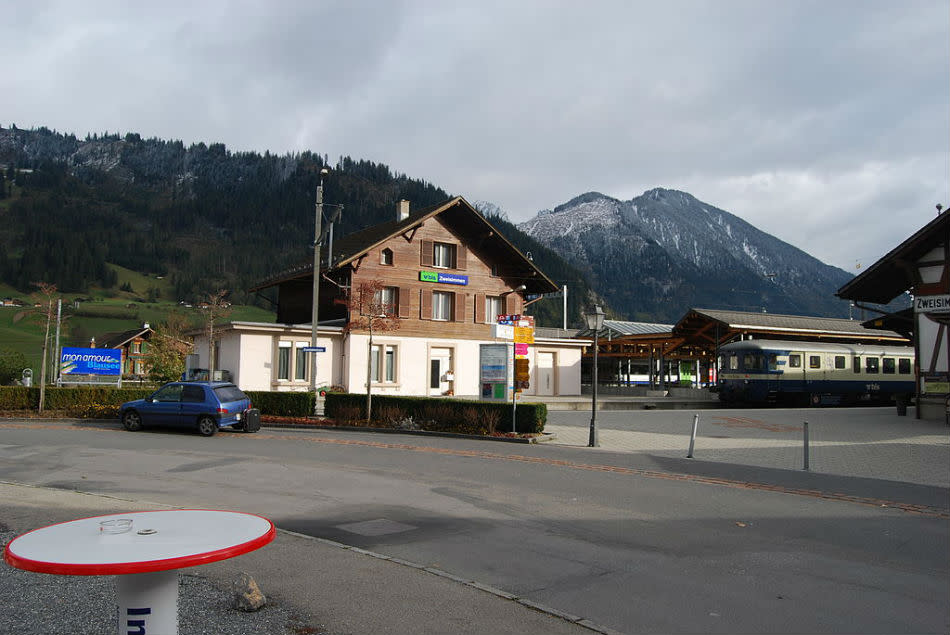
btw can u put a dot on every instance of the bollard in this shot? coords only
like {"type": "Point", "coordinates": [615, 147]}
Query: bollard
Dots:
{"type": "Point", "coordinates": [805, 432]}
{"type": "Point", "coordinates": [692, 438]}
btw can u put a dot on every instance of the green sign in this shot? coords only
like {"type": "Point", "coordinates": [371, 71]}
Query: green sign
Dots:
{"type": "Point", "coordinates": [428, 276]}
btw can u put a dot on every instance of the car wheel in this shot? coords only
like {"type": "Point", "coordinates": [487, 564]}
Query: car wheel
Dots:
{"type": "Point", "coordinates": [207, 426]}
{"type": "Point", "coordinates": [132, 421]}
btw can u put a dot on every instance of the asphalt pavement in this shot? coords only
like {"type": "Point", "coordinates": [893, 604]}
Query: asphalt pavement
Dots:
{"type": "Point", "coordinates": [314, 585]}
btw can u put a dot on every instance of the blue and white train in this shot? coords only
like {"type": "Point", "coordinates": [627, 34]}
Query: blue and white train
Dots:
{"type": "Point", "coordinates": [814, 373]}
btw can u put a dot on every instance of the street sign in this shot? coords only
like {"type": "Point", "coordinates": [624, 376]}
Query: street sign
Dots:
{"type": "Point", "coordinates": [314, 349]}
{"type": "Point", "coordinates": [521, 370]}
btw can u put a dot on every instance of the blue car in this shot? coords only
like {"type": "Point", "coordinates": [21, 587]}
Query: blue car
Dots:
{"type": "Point", "coordinates": [201, 405]}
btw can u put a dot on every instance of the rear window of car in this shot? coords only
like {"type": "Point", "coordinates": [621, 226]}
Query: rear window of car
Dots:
{"type": "Point", "coordinates": [229, 393]}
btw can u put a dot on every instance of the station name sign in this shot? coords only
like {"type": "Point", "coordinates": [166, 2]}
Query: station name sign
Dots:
{"type": "Point", "coordinates": [932, 304]}
{"type": "Point", "coordinates": [444, 278]}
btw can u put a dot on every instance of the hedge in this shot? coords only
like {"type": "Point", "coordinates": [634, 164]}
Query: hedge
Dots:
{"type": "Point", "coordinates": [421, 413]}
{"type": "Point", "coordinates": [437, 414]}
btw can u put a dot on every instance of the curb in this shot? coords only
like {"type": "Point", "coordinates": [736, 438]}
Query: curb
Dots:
{"type": "Point", "coordinates": [543, 438]}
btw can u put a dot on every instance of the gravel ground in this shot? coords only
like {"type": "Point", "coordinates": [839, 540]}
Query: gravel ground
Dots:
{"type": "Point", "coordinates": [38, 603]}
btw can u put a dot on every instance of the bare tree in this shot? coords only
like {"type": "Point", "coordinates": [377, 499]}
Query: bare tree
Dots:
{"type": "Point", "coordinates": [215, 307]}
{"type": "Point", "coordinates": [46, 296]}
{"type": "Point", "coordinates": [373, 309]}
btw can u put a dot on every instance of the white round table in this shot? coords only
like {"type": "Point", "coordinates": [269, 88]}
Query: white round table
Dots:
{"type": "Point", "coordinates": [145, 559]}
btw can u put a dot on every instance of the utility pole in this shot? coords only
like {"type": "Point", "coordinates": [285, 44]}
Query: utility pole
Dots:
{"type": "Point", "coordinates": [318, 228]}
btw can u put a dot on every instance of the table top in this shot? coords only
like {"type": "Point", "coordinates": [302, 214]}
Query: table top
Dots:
{"type": "Point", "coordinates": [157, 541]}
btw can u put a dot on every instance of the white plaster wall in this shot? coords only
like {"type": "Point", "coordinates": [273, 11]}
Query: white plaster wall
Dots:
{"type": "Point", "coordinates": [256, 361]}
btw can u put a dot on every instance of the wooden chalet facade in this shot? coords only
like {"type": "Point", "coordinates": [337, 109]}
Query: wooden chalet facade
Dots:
{"type": "Point", "coordinates": [446, 274]}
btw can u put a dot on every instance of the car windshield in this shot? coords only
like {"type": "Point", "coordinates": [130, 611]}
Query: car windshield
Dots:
{"type": "Point", "coordinates": [229, 393]}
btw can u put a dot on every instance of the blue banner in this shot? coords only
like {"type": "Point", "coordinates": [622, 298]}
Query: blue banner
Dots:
{"type": "Point", "coordinates": [91, 361]}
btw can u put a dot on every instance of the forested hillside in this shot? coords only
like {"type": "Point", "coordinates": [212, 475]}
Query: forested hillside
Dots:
{"type": "Point", "coordinates": [201, 217]}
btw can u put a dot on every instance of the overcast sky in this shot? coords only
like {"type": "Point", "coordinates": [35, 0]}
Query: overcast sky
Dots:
{"type": "Point", "coordinates": [825, 123]}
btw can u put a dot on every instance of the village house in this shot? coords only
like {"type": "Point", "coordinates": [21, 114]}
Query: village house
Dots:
{"type": "Point", "coordinates": [446, 274]}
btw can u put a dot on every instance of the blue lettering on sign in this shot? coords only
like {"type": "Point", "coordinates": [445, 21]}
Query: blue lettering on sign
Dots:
{"type": "Point", "coordinates": [451, 278]}
{"type": "Point", "coordinates": [138, 625]}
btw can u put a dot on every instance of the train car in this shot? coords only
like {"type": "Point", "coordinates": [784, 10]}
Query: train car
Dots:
{"type": "Point", "coordinates": [814, 373]}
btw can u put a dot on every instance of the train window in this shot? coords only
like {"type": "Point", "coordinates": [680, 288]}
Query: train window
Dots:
{"type": "Point", "coordinates": [857, 364]}
{"type": "Point", "coordinates": [773, 362]}
{"type": "Point", "coordinates": [794, 361]}
{"type": "Point", "coordinates": [839, 361]}
{"type": "Point", "coordinates": [890, 365]}
{"type": "Point", "coordinates": [872, 364]}
{"type": "Point", "coordinates": [733, 362]}
{"type": "Point", "coordinates": [752, 362]}
{"type": "Point", "coordinates": [903, 366]}
{"type": "Point", "coordinates": [814, 361]}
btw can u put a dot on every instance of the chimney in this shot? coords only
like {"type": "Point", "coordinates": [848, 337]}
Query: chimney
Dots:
{"type": "Point", "coordinates": [402, 210]}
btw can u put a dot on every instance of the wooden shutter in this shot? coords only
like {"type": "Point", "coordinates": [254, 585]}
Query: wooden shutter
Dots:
{"type": "Point", "coordinates": [461, 257]}
{"type": "Point", "coordinates": [425, 304]}
{"type": "Point", "coordinates": [404, 301]}
{"type": "Point", "coordinates": [425, 258]}
{"type": "Point", "coordinates": [459, 307]}
{"type": "Point", "coordinates": [510, 303]}
{"type": "Point", "coordinates": [479, 308]}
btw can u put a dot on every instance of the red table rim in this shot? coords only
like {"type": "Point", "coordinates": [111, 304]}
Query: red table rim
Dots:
{"type": "Point", "coordinates": [146, 566]}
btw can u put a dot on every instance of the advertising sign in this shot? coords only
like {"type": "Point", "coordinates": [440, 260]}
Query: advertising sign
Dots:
{"type": "Point", "coordinates": [91, 361]}
{"type": "Point", "coordinates": [494, 363]}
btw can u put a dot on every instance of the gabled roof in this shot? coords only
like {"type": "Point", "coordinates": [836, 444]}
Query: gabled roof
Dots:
{"type": "Point", "coordinates": [115, 340]}
{"type": "Point", "coordinates": [697, 320]}
{"type": "Point", "coordinates": [458, 214]}
{"type": "Point", "coordinates": [893, 274]}
{"type": "Point", "coordinates": [619, 328]}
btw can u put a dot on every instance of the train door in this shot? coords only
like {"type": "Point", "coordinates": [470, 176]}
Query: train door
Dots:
{"type": "Point", "coordinates": [796, 380]}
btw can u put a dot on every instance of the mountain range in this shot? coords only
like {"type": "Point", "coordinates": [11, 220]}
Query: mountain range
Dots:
{"type": "Point", "coordinates": [663, 251]}
{"type": "Point", "coordinates": [209, 219]}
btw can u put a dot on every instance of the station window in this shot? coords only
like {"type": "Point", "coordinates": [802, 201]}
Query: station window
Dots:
{"type": "Point", "coordinates": [493, 308]}
{"type": "Point", "coordinates": [872, 365]}
{"type": "Point", "coordinates": [890, 365]}
{"type": "Point", "coordinates": [442, 305]}
{"type": "Point", "coordinates": [857, 365]}
{"type": "Point", "coordinates": [839, 362]}
{"type": "Point", "coordinates": [387, 300]}
{"type": "Point", "coordinates": [903, 366]}
{"type": "Point", "coordinates": [300, 362]}
{"type": "Point", "coordinates": [383, 364]}
{"type": "Point", "coordinates": [814, 361]}
{"type": "Point", "coordinates": [794, 361]}
{"type": "Point", "coordinates": [386, 256]}
{"type": "Point", "coordinates": [443, 255]}
{"type": "Point", "coordinates": [283, 360]}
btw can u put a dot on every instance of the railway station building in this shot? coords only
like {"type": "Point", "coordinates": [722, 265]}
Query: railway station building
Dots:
{"type": "Point", "coordinates": [443, 274]}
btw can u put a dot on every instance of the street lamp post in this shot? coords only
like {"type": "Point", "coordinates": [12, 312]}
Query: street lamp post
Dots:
{"type": "Point", "coordinates": [595, 322]}
{"type": "Point", "coordinates": [318, 228]}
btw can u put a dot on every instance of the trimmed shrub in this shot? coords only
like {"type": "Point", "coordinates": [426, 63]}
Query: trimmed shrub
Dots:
{"type": "Point", "coordinates": [282, 404]}
{"type": "Point", "coordinates": [440, 414]}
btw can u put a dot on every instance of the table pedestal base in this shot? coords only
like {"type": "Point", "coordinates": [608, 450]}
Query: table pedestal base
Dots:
{"type": "Point", "coordinates": [148, 603]}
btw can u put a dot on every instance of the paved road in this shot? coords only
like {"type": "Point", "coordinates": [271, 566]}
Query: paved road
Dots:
{"type": "Point", "coordinates": [630, 540]}
{"type": "Point", "coordinates": [864, 442]}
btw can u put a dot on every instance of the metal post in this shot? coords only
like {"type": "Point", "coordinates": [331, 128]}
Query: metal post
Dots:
{"type": "Point", "coordinates": [57, 354]}
{"type": "Point", "coordinates": [805, 432]}
{"type": "Point", "coordinates": [565, 306]}
{"type": "Point", "coordinates": [592, 441]}
{"type": "Point", "coordinates": [514, 385]}
{"type": "Point", "coordinates": [692, 437]}
{"type": "Point", "coordinates": [316, 294]}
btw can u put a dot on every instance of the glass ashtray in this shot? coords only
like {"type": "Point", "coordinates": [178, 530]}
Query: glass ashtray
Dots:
{"type": "Point", "coordinates": [115, 526]}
